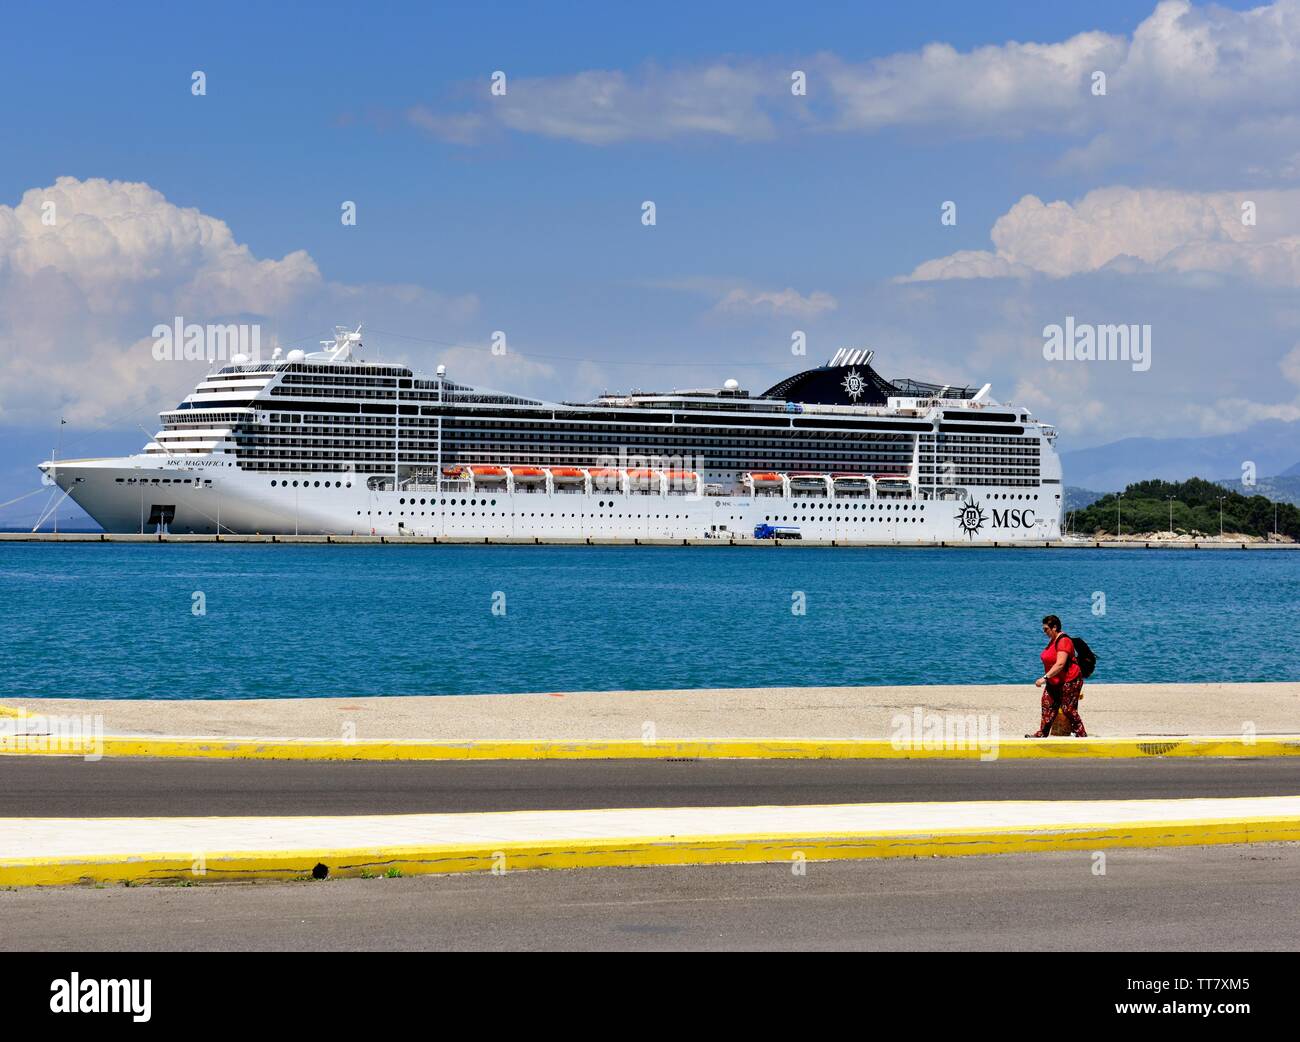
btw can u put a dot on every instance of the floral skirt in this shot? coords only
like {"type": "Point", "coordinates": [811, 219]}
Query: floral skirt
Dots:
{"type": "Point", "coordinates": [1064, 697]}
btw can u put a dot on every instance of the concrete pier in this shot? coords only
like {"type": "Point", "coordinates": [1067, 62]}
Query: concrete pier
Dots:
{"type": "Point", "coordinates": [1110, 710]}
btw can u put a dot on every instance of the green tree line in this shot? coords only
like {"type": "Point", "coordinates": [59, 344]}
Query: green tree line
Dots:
{"type": "Point", "coordinates": [1145, 507]}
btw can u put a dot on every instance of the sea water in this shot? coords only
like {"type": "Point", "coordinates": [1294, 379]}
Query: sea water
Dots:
{"type": "Point", "coordinates": [249, 621]}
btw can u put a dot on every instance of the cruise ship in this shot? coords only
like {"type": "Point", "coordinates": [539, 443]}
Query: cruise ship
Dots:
{"type": "Point", "coordinates": [327, 443]}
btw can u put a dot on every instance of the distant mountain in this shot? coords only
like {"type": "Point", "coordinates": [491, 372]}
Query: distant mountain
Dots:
{"type": "Point", "coordinates": [1078, 498]}
{"type": "Point", "coordinates": [1281, 489]}
{"type": "Point", "coordinates": [1272, 446]}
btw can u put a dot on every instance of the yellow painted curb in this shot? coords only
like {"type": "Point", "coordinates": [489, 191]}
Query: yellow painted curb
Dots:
{"type": "Point", "coordinates": [641, 851]}
{"type": "Point", "coordinates": [13, 711]}
{"type": "Point", "coordinates": [596, 749]}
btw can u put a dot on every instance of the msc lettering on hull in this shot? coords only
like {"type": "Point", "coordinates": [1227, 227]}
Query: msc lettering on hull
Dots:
{"type": "Point", "coordinates": [1010, 518]}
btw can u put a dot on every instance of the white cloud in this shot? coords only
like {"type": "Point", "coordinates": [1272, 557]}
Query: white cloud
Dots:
{"type": "Point", "coordinates": [601, 107]}
{"type": "Point", "coordinates": [107, 234]}
{"type": "Point", "coordinates": [1207, 82]}
{"type": "Point", "coordinates": [1138, 230]}
{"type": "Point", "coordinates": [510, 372]}
{"type": "Point", "coordinates": [1226, 415]}
{"type": "Point", "coordinates": [79, 298]}
{"type": "Point", "coordinates": [776, 302]}
{"type": "Point", "coordinates": [975, 91]}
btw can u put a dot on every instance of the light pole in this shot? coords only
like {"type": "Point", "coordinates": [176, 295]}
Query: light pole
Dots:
{"type": "Point", "coordinates": [1171, 514]}
{"type": "Point", "coordinates": [1220, 499]}
{"type": "Point", "coordinates": [1119, 528]}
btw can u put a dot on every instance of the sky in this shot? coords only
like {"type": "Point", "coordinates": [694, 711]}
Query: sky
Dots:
{"type": "Point", "coordinates": [127, 200]}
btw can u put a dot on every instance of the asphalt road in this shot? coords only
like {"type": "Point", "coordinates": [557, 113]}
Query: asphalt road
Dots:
{"type": "Point", "coordinates": [1172, 899]}
{"type": "Point", "coordinates": [71, 787]}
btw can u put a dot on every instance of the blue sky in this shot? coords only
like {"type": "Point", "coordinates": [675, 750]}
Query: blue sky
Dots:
{"type": "Point", "coordinates": [774, 213]}
{"type": "Point", "coordinates": [268, 150]}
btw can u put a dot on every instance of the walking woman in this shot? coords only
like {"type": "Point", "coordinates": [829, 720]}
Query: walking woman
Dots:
{"type": "Point", "coordinates": [1062, 681]}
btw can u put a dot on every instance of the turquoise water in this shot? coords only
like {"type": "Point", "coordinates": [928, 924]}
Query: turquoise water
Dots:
{"type": "Point", "coordinates": [114, 620]}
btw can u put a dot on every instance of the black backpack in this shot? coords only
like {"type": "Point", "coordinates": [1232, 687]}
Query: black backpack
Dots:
{"type": "Point", "coordinates": [1085, 656]}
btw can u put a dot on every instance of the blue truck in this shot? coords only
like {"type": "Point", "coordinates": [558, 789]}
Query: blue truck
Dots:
{"type": "Point", "coordinates": [766, 531]}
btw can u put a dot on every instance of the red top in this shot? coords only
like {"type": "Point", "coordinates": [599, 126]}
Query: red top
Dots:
{"type": "Point", "coordinates": [1071, 671]}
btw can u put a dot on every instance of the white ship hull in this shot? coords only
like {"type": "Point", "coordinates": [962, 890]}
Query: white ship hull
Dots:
{"type": "Point", "coordinates": [210, 494]}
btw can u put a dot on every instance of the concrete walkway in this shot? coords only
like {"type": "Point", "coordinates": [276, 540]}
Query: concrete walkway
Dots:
{"type": "Point", "coordinates": [1109, 710]}
{"type": "Point", "coordinates": [61, 850]}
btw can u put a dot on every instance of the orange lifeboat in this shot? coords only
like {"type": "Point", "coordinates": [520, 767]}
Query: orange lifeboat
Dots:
{"type": "Point", "coordinates": [680, 476]}
{"type": "Point", "coordinates": [453, 472]}
{"type": "Point", "coordinates": [766, 478]}
{"type": "Point", "coordinates": [488, 471]}
{"type": "Point", "coordinates": [528, 475]}
{"type": "Point", "coordinates": [566, 474]}
{"type": "Point", "coordinates": [604, 472]}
